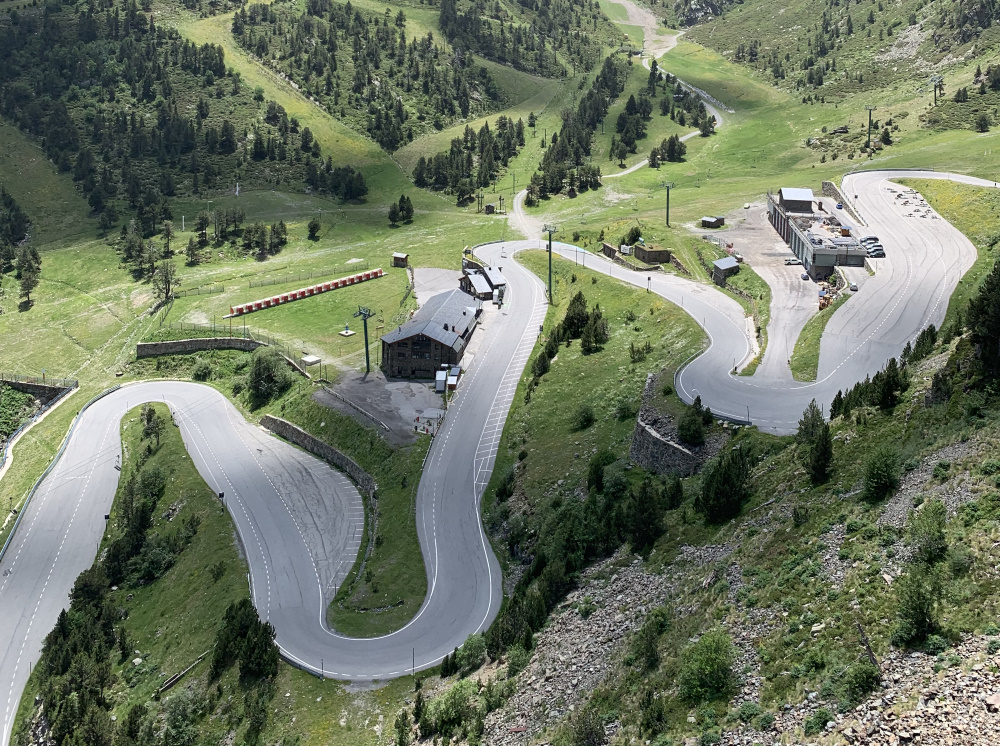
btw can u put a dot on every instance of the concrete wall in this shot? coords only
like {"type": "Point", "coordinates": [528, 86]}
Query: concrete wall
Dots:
{"type": "Point", "coordinates": [315, 446]}
{"type": "Point", "coordinates": [182, 346]}
{"type": "Point", "coordinates": [832, 190]}
{"type": "Point", "coordinates": [657, 454]}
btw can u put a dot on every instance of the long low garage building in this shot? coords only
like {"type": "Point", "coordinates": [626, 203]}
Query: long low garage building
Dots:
{"type": "Point", "coordinates": [436, 335]}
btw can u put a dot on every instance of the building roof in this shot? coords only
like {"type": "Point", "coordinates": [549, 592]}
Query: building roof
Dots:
{"type": "Point", "coordinates": [493, 277]}
{"type": "Point", "coordinates": [796, 195]}
{"type": "Point", "coordinates": [399, 255]}
{"type": "Point", "coordinates": [479, 283]}
{"type": "Point", "coordinates": [445, 318]}
{"type": "Point", "coordinates": [727, 262]}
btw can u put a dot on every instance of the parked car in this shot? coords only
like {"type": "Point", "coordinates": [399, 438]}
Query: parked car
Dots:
{"type": "Point", "coordinates": [840, 205]}
{"type": "Point", "coordinates": [876, 254]}
{"type": "Point", "coordinates": [869, 239]}
{"type": "Point", "coordinates": [805, 275]}
{"type": "Point", "coordinates": [793, 260]}
{"type": "Point", "coordinates": [854, 287]}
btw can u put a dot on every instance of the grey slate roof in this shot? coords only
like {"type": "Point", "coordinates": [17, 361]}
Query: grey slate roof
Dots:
{"type": "Point", "coordinates": [726, 262]}
{"type": "Point", "coordinates": [446, 318]}
{"type": "Point", "coordinates": [479, 283]}
{"type": "Point", "coordinates": [494, 278]}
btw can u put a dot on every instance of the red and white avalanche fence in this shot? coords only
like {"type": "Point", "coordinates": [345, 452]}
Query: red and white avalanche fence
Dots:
{"type": "Point", "coordinates": [323, 287]}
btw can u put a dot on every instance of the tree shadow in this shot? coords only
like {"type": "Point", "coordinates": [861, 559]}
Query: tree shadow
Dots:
{"type": "Point", "coordinates": [25, 305]}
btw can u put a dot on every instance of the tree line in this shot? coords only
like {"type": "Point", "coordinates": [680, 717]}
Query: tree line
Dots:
{"type": "Point", "coordinates": [137, 114]}
{"type": "Point", "coordinates": [473, 161]}
{"type": "Point", "coordinates": [16, 254]}
{"type": "Point", "coordinates": [361, 66]}
{"type": "Point", "coordinates": [532, 35]}
{"type": "Point", "coordinates": [566, 162]}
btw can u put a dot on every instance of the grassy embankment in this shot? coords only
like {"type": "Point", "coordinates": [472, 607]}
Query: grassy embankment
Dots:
{"type": "Point", "coordinates": [805, 354]}
{"type": "Point", "coordinates": [543, 428]}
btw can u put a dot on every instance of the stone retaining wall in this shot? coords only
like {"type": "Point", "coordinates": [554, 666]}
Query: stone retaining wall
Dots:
{"type": "Point", "coordinates": [832, 190]}
{"type": "Point", "coordinates": [657, 454]}
{"type": "Point", "coordinates": [42, 392]}
{"type": "Point", "coordinates": [315, 446]}
{"type": "Point", "coordinates": [182, 346]}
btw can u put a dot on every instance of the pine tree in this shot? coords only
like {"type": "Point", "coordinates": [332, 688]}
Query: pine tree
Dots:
{"type": "Point", "coordinates": [810, 424]}
{"type": "Point", "coordinates": [821, 456]}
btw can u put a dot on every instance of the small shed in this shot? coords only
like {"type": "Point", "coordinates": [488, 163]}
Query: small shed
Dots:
{"type": "Point", "coordinates": [723, 268]}
{"type": "Point", "coordinates": [494, 277]}
{"type": "Point", "coordinates": [440, 381]}
{"type": "Point", "coordinates": [652, 254]}
{"type": "Point", "coordinates": [796, 200]}
{"type": "Point", "coordinates": [713, 222]}
{"type": "Point", "coordinates": [491, 209]}
{"type": "Point", "coordinates": [476, 285]}
{"type": "Point", "coordinates": [400, 259]}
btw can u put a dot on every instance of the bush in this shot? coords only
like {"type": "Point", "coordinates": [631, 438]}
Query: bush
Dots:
{"type": "Point", "coordinates": [202, 370]}
{"type": "Point", "coordinates": [472, 654]}
{"type": "Point", "coordinates": [816, 723]}
{"type": "Point", "coordinates": [691, 428]}
{"type": "Point", "coordinates": [268, 376]}
{"type": "Point", "coordinates": [673, 492]}
{"type": "Point", "coordinates": [927, 532]}
{"type": "Point", "coordinates": [765, 722]}
{"type": "Point", "coordinates": [587, 728]}
{"type": "Point", "coordinates": [935, 645]}
{"type": "Point", "coordinates": [993, 646]}
{"type": "Point", "coordinates": [584, 417]}
{"type": "Point", "coordinates": [860, 680]}
{"type": "Point", "coordinates": [595, 470]}
{"type": "Point", "coordinates": [748, 711]}
{"type": "Point", "coordinates": [644, 650]}
{"type": "Point", "coordinates": [960, 559]}
{"type": "Point", "coordinates": [725, 485]}
{"type": "Point", "coordinates": [453, 709]}
{"type": "Point", "coordinates": [517, 660]}
{"type": "Point", "coordinates": [918, 593]}
{"type": "Point", "coordinates": [881, 474]}
{"type": "Point", "coordinates": [540, 365]}
{"type": "Point", "coordinates": [707, 668]}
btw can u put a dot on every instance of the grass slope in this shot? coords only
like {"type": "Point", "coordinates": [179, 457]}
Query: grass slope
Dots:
{"type": "Point", "coordinates": [805, 355]}
{"type": "Point", "coordinates": [543, 428]}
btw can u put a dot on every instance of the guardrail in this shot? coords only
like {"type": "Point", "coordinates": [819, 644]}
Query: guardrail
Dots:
{"type": "Point", "coordinates": [62, 448]}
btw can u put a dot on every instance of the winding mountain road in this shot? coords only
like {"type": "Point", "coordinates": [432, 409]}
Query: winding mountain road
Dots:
{"type": "Point", "coordinates": [299, 520]}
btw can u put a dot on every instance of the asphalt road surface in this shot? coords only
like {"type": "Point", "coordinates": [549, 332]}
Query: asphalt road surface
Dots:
{"type": "Point", "coordinates": [925, 258]}
{"type": "Point", "coordinates": [300, 522]}
{"type": "Point", "coordinates": [299, 519]}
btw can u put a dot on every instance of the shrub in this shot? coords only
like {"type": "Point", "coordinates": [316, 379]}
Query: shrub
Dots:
{"type": "Point", "coordinates": [816, 723]}
{"type": "Point", "coordinates": [748, 711]}
{"type": "Point", "coordinates": [935, 645]}
{"type": "Point", "coordinates": [644, 650]}
{"type": "Point", "coordinates": [881, 474]}
{"type": "Point", "coordinates": [990, 467]}
{"type": "Point", "coordinates": [595, 470]}
{"type": "Point", "coordinates": [941, 469]}
{"type": "Point", "coordinates": [587, 728]}
{"type": "Point", "coordinates": [517, 660]}
{"type": "Point", "coordinates": [625, 408]}
{"type": "Point", "coordinates": [453, 709]}
{"type": "Point", "coordinates": [765, 722]}
{"type": "Point", "coordinates": [993, 646]}
{"type": "Point", "coordinates": [540, 365]}
{"type": "Point", "coordinates": [202, 370]}
{"type": "Point", "coordinates": [472, 654]}
{"type": "Point", "coordinates": [268, 376]}
{"type": "Point", "coordinates": [960, 559]}
{"type": "Point", "coordinates": [725, 485]}
{"type": "Point", "coordinates": [927, 532]}
{"type": "Point", "coordinates": [918, 592]}
{"type": "Point", "coordinates": [691, 428]}
{"type": "Point", "coordinates": [859, 680]}
{"type": "Point", "coordinates": [673, 492]}
{"type": "Point", "coordinates": [584, 417]}
{"type": "Point", "coordinates": [707, 668]}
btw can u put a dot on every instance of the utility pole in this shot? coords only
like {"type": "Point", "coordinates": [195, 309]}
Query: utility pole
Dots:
{"type": "Point", "coordinates": [870, 110]}
{"type": "Point", "coordinates": [550, 229]}
{"type": "Point", "coordinates": [365, 314]}
{"type": "Point", "coordinates": [669, 185]}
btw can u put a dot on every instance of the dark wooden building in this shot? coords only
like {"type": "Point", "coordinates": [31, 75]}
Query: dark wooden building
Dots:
{"type": "Point", "coordinates": [436, 335]}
